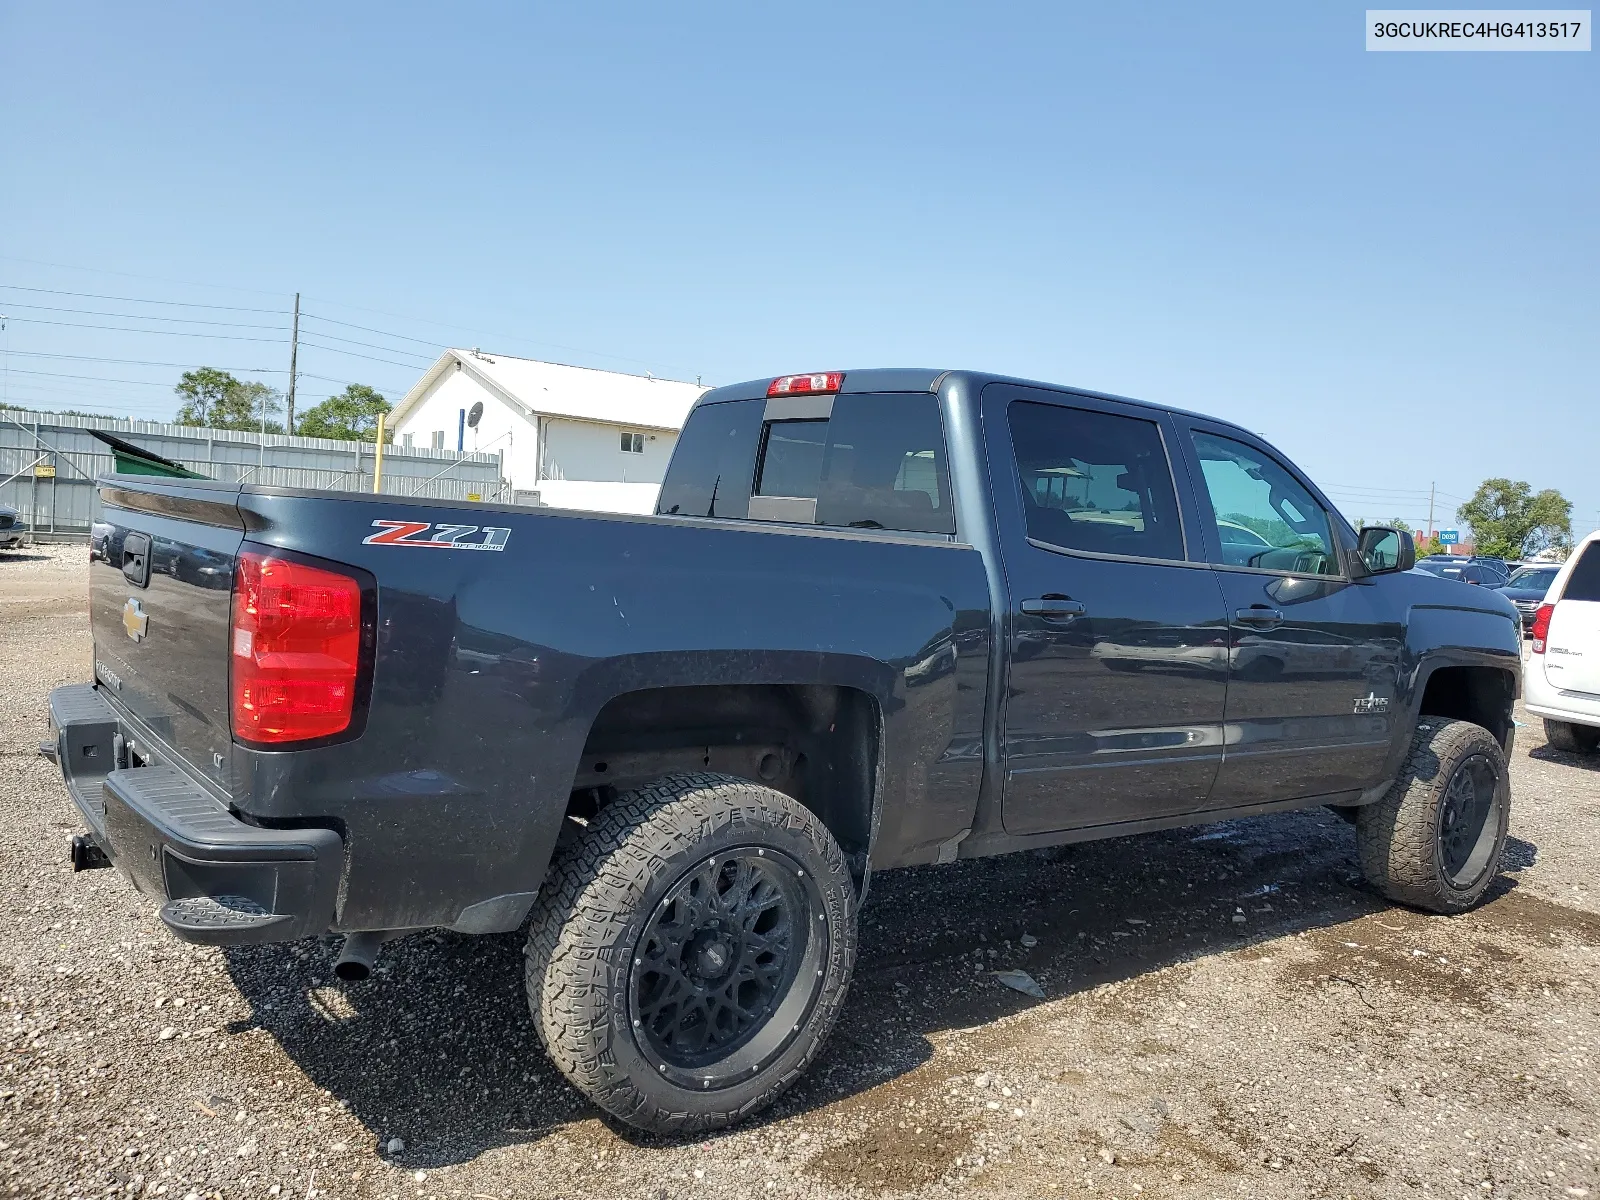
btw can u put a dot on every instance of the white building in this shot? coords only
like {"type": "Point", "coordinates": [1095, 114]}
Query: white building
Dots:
{"type": "Point", "coordinates": [580, 438]}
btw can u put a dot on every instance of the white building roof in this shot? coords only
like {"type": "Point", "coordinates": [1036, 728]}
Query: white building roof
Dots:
{"type": "Point", "coordinates": [556, 390]}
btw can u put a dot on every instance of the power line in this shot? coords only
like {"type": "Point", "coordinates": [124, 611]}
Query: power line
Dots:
{"type": "Point", "coordinates": [369, 329]}
{"type": "Point", "coordinates": [221, 287]}
{"type": "Point", "coordinates": [163, 384]}
{"type": "Point", "coordinates": [517, 338]}
{"type": "Point", "coordinates": [348, 382]}
{"type": "Point", "coordinates": [221, 337]}
{"type": "Point", "coordinates": [1351, 487]}
{"type": "Point", "coordinates": [17, 287]}
{"type": "Point", "coordinates": [369, 345]}
{"type": "Point", "coordinates": [43, 402]}
{"type": "Point", "coordinates": [73, 387]}
{"type": "Point", "coordinates": [139, 362]}
{"type": "Point", "coordinates": [353, 354]}
{"type": "Point", "coordinates": [123, 316]}
{"type": "Point", "coordinates": [98, 378]}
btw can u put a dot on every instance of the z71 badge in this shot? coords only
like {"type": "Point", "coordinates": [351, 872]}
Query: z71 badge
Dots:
{"type": "Point", "coordinates": [430, 536]}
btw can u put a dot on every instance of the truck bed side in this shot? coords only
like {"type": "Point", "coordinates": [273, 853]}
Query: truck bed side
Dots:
{"type": "Point", "coordinates": [492, 665]}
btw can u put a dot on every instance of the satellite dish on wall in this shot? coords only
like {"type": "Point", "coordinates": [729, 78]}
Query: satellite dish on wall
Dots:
{"type": "Point", "coordinates": [475, 414]}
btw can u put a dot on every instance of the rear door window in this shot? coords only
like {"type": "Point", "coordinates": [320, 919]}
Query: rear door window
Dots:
{"type": "Point", "coordinates": [1584, 582]}
{"type": "Point", "coordinates": [1095, 481]}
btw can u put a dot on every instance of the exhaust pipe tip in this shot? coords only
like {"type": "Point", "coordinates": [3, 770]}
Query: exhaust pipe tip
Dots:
{"type": "Point", "coordinates": [352, 971]}
{"type": "Point", "coordinates": [355, 961]}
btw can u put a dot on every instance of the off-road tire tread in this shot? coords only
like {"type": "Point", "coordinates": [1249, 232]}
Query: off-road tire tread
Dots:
{"type": "Point", "coordinates": [1571, 737]}
{"type": "Point", "coordinates": [594, 885]}
{"type": "Point", "coordinates": [1395, 837]}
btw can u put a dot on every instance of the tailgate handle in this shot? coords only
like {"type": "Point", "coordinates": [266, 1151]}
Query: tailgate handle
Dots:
{"type": "Point", "coordinates": [1058, 608]}
{"type": "Point", "coordinates": [136, 559]}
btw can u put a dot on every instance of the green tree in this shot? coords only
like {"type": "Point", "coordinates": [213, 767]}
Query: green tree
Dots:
{"type": "Point", "coordinates": [1510, 520]}
{"type": "Point", "coordinates": [216, 400]}
{"type": "Point", "coordinates": [351, 416]}
{"type": "Point", "coordinates": [1391, 523]}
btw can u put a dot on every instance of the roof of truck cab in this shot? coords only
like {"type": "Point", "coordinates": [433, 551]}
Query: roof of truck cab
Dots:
{"type": "Point", "coordinates": [924, 379]}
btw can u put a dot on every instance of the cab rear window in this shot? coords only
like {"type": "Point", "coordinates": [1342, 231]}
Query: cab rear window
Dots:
{"type": "Point", "coordinates": [873, 461]}
{"type": "Point", "coordinates": [709, 475]}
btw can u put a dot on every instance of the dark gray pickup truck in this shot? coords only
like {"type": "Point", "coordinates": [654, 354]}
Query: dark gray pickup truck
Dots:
{"type": "Point", "coordinates": [881, 618]}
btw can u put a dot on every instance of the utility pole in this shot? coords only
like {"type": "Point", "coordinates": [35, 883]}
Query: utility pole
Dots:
{"type": "Point", "coordinates": [294, 352]}
{"type": "Point", "coordinates": [1431, 486]}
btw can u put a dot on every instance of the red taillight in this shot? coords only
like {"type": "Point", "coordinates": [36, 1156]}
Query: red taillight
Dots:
{"type": "Point", "coordinates": [806, 385]}
{"type": "Point", "coordinates": [296, 649]}
{"type": "Point", "coordinates": [1541, 626]}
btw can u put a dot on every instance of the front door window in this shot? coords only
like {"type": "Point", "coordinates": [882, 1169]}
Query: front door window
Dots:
{"type": "Point", "coordinates": [1265, 518]}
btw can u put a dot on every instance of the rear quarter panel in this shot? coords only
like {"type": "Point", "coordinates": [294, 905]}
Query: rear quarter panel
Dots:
{"type": "Point", "coordinates": [491, 666]}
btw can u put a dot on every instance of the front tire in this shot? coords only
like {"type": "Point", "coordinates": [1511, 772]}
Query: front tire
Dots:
{"type": "Point", "coordinates": [691, 952]}
{"type": "Point", "coordinates": [1434, 841]}
{"type": "Point", "coordinates": [1571, 737]}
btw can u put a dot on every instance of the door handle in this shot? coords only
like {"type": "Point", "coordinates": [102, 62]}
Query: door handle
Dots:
{"type": "Point", "coordinates": [1258, 615]}
{"type": "Point", "coordinates": [1057, 608]}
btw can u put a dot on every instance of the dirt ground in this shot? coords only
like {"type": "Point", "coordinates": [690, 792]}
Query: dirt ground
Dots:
{"type": "Point", "coordinates": [1227, 1013]}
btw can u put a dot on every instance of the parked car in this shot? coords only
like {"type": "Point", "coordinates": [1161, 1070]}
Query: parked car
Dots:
{"type": "Point", "coordinates": [1564, 668]}
{"type": "Point", "coordinates": [1481, 572]}
{"type": "Point", "coordinates": [882, 618]}
{"type": "Point", "coordinates": [1526, 589]}
{"type": "Point", "coordinates": [12, 532]}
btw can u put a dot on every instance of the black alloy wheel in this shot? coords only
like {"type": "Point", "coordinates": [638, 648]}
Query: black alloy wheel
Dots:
{"type": "Point", "coordinates": [1466, 834]}
{"type": "Point", "coordinates": [728, 967]}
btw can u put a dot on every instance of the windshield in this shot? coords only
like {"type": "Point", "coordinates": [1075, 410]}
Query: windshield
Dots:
{"type": "Point", "coordinates": [1534, 581]}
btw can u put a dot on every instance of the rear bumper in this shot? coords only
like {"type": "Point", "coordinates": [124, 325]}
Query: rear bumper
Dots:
{"type": "Point", "coordinates": [1542, 699]}
{"type": "Point", "coordinates": [220, 880]}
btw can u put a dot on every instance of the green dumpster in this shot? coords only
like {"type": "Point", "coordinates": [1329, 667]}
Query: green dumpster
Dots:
{"type": "Point", "coordinates": [131, 460]}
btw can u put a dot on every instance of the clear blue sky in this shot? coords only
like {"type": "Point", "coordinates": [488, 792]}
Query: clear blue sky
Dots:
{"type": "Point", "coordinates": [1386, 263]}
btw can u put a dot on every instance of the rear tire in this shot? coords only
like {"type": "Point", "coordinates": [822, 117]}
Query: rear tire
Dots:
{"type": "Point", "coordinates": [1434, 841]}
{"type": "Point", "coordinates": [1572, 737]}
{"type": "Point", "coordinates": [691, 951]}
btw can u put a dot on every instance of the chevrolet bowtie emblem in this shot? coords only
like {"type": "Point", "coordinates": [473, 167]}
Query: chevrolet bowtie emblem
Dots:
{"type": "Point", "coordinates": [135, 621]}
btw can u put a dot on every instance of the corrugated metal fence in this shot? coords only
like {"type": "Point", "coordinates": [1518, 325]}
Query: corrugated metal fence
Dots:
{"type": "Point", "coordinates": [48, 463]}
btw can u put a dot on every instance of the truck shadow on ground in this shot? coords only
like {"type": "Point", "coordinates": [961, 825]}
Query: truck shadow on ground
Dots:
{"type": "Point", "coordinates": [1548, 753]}
{"type": "Point", "coordinates": [438, 1048]}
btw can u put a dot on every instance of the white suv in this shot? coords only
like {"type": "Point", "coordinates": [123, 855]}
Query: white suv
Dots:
{"type": "Point", "coordinates": [1563, 675]}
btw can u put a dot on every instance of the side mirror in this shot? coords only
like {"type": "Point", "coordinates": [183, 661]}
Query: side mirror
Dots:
{"type": "Point", "coordinates": [1384, 550]}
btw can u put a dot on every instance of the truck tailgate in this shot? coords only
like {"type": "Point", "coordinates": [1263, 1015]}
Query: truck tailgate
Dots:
{"type": "Point", "coordinates": [160, 589]}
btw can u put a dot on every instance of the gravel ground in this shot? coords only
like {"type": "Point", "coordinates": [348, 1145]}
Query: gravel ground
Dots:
{"type": "Point", "coordinates": [1227, 1013]}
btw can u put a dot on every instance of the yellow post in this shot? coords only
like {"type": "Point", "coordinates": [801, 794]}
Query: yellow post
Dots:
{"type": "Point", "coordinates": [377, 463]}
